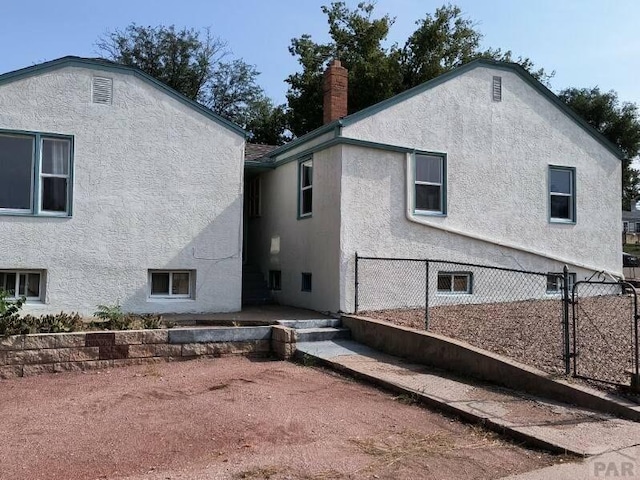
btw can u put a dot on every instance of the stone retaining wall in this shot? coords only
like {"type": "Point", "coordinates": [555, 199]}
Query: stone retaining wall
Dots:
{"type": "Point", "coordinates": [24, 355]}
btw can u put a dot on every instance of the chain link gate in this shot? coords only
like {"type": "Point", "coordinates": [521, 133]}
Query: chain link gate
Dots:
{"type": "Point", "coordinates": [605, 332]}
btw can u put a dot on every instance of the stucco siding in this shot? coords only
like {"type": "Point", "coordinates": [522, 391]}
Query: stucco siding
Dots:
{"type": "Point", "coordinates": [278, 240]}
{"type": "Point", "coordinates": [498, 158]}
{"type": "Point", "coordinates": [157, 185]}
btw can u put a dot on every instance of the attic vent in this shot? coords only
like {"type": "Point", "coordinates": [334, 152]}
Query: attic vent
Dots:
{"type": "Point", "coordinates": [102, 90]}
{"type": "Point", "coordinates": [497, 89]}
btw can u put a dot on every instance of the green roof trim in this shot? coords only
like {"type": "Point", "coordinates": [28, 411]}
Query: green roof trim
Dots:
{"type": "Point", "coordinates": [102, 64]}
{"type": "Point", "coordinates": [481, 62]}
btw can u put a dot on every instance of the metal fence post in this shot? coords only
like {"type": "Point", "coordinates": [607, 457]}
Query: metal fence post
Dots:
{"type": "Point", "coordinates": [565, 319]}
{"type": "Point", "coordinates": [356, 285]}
{"type": "Point", "coordinates": [426, 295]}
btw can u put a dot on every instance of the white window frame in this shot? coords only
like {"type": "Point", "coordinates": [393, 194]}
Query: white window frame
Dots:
{"type": "Point", "coordinates": [452, 275]}
{"type": "Point", "coordinates": [301, 188]}
{"type": "Point", "coordinates": [571, 195]}
{"type": "Point", "coordinates": [16, 295]}
{"type": "Point", "coordinates": [557, 276]}
{"type": "Point", "coordinates": [37, 176]}
{"type": "Point", "coordinates": [441, 184]}
{"type": "Point", "coordinates": [275, 280]}
{"type": "Point", "coordinates": [170, 295]}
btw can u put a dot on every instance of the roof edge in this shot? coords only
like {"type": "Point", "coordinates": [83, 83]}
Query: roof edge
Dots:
{"type": "Point", "coordinates": [103, 64]}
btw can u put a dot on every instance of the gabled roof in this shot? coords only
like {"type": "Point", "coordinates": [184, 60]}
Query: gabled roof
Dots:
{"type": "Point", "coordinates": [511, 67]}
{"type": "Point", "coordinates": [103, 64]}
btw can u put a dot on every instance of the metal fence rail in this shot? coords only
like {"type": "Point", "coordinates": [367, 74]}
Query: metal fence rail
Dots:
{"type": "Point", "coordinates": [513, 312]}
{"type": "Point", "coordinates": [538, 318]}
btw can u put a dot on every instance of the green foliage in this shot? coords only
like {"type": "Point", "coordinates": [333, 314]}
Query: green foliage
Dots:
{"type": "Point", "coordinates": [58, 323]}
{"type": "Point", "coordinates": [9, 306]}
{"type": "Point", "coordinates": [618, 122]}
{"type": "Point", "coordinates": [194, 63]}
{"type": "Point", "coordinates": [112, 318]}
{"type": "Point", "coordinates": [441, 42]}
{"type": "Point", "coordinates": [151, 322]}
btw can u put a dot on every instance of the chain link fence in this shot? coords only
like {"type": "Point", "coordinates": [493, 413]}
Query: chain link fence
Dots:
{"type": "Point", "coordinates": [605, 332]}
{"type": "Point", "coordinates": [516, 313]}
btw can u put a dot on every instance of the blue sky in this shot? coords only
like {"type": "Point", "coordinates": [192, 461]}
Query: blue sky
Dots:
{"type": "Point", "coordinates": [586, 42]}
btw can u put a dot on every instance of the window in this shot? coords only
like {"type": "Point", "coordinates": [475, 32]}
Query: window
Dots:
{"type": "Point", "coordinates": [35, 174]}
{"type": "Point", "coordinates": [21, 284]}
{"type": "Point", "coordinates": [562, 196]}
{"type": "Point", "coordinates": [625, 226]}
{"type": "Point", "coordinates": [454, 282]}
{"type": "Point", "coordinates": [429, 192]}
{"type": "Point", "coordinates": [637, 230]}
{"type": "Point", "coordinates": [306, 282]}
{"type": "Point", "coordinates": [253, 197]}
{"type": "Point", "coordinates": [555, 282]}
{"type": "Point", "coordinates": [275, 279]}
{"type": "Point", "coordinates": [306, 189]}
{"type": "Point", "coordinates": [171, 284]}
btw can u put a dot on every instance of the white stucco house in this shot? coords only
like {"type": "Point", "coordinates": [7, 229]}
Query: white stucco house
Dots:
{"type": "Point", "coordinates": [482, 165]}
{"type": "Point", "coordinates": [115, 188]}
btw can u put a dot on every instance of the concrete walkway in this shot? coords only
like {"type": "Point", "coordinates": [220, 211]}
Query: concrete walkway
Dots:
{"type": "Point", "coordinates": [538, 422]}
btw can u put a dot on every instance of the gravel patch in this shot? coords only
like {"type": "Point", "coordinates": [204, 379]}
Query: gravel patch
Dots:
{"type": "Point", "coordinates": [531, 332]}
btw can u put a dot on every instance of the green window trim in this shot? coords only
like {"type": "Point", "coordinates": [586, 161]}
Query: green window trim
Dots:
{"type": "Point", "coordinates": [441, 184]}
{"type": "Point", "coordinates": [37, 175]}
{"type": "Point", "coordinates": [571, 218]}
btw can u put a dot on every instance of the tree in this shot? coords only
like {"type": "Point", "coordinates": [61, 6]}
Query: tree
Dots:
{"type": "Point", "coordinates": [618, 122]}
{"type": "Point", "coordinates": [441, 42]}
{"type": "Point", "coordinates": [192, 62]}
{"type": "Point", "coordinates": [181, 59]}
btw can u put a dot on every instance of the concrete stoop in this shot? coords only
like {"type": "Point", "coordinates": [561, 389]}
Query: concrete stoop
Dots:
{"type": "Point", "coordinates": [289, 333]}
{"type": "Point", "coordinates": [538, 422]}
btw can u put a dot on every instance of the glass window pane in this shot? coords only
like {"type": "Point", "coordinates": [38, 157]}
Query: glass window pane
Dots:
{"type": "Point", "coordinates": [8, 282]}
{"type": "Point", "coordinates": [307, 174]}
{"type": "Point", "coordinates": [460, 283]}
{"type": "Point", "coordinates": [428, 197]}
{"type": "Point", "coordinates": [55, 156]}
{"type": "Point", "coordinates": [180, 285]}
{"type": "Point", "coordinates": [560, 181]}
{"type": "Point", "coordinates": [428, 169]}
{"type": "Point", "coordinates": [560, 207]}
{"type": "Point", "coordinates": [16, 171]}
{"type": "Point", "coordinates": [54, 194]}
{"type": "Point", "coordinates": [22, 285]}
{"type": "Point", "coordinates": [444, 283]}
{"type": "Point", "coordinates": [307, 200]}
{"type": "Point", "coordinates": [33, 285]}
{"type": "Point", "coordinates": [159, 284]}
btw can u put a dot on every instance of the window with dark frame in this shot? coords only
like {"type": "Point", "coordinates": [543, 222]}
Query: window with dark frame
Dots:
{"type": "Point", "coordinates": [429, 184]}
{"type": "Point", "coordinates": [306, 282]}
{"type": "Point", "coordinates": [275, 280]}
{"type": "Point", "coordinates": [32, 182]}
{"type": "Point", "coordinates": [455, 282]}
{"type": "Point", "coordinates": [253, 197]}
{"type": "Point", "coordinates": [170, 284]}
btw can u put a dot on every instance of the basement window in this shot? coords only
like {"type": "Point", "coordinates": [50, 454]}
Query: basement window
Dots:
{"type": "Point", "coordinates": [171, 284]}
{"type": "Point", "coordinates": [555, 282]}
{"type": "Point", "coordinates": [455, 282]}
{"type": "Point", "coordinates": [18, 283]}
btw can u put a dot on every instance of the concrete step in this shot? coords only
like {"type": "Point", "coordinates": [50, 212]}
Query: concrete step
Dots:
{"type": "Point", "coordinates": [322, 334]}
{"type": "Point", "coordinates": [312, 323]}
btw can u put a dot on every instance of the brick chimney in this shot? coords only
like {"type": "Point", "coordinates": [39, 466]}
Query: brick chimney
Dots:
{"type": "Point", "coordinates": [335, 92]}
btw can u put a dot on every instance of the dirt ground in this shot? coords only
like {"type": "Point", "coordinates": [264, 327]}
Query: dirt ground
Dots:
{"type": "Point", "coordinates": [234, 418]}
